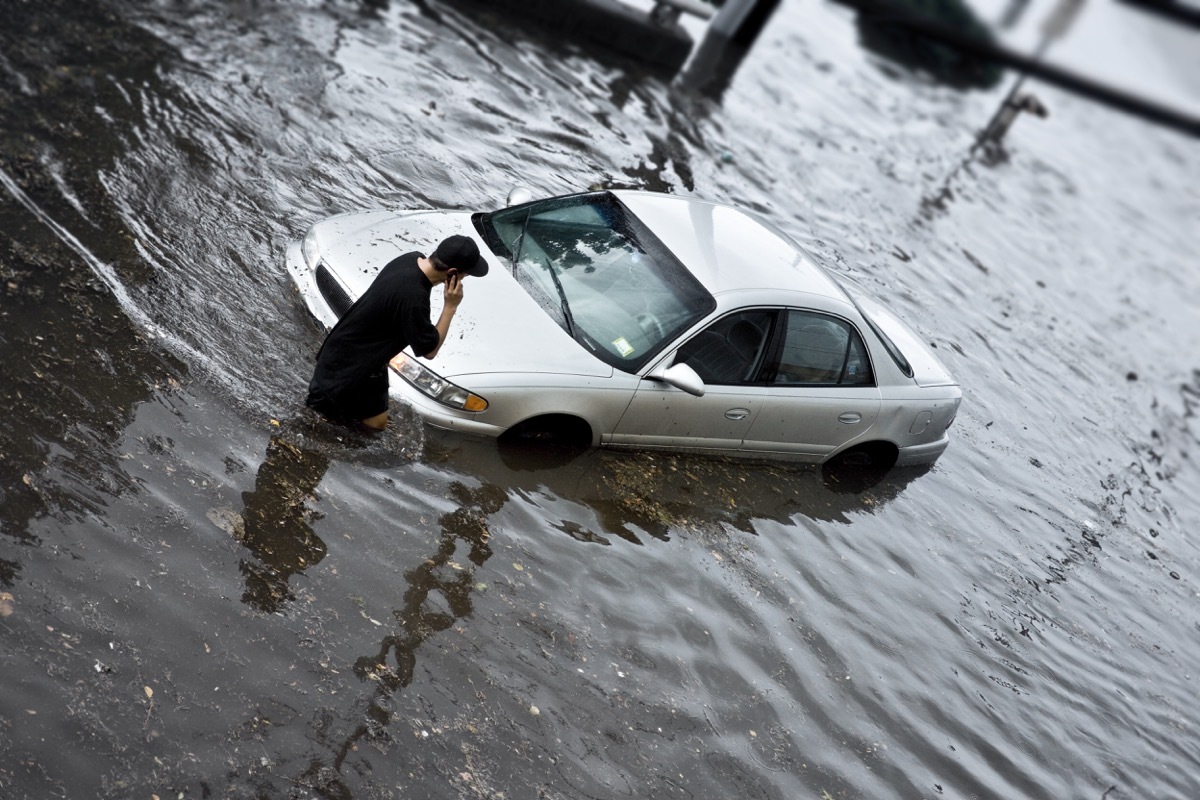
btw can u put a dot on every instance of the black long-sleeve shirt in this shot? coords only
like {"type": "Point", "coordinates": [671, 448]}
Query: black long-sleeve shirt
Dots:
{"type": "Point", "coordinates": [392, 314]}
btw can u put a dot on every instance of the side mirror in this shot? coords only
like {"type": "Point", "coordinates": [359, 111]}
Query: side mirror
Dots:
{"type": "Point", "coordinates": [681, 376]}
{"type": "Point", "coordinates": [518, 195]}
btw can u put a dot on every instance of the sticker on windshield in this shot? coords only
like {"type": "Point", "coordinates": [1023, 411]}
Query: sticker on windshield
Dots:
{"type": "Point", "coordinates": [623, 347]}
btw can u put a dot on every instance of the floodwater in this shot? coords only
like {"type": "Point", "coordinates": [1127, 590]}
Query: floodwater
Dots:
{"type": "Point", "coordinates": [205, 593]}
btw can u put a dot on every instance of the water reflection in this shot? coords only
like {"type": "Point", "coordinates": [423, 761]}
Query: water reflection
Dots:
{"type": "Point", "coordinates": [1012, 14]}
{"type": "Point", "coordinates": [638, 498]}
{"type": "Point", "coordinates": [988, 150]}
{"type": "Point", "coordinates": [639, 494]}
{"type": "Point", "coordinates": [635, 497]}
{"type": "Point", "coordinates": [277, 515]}
{"type": "Point", "coordinates": [276, 522]}
{"type": "Point", "coordinates": [438, 594]}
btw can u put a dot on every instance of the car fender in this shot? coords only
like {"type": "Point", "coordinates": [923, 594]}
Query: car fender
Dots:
{"type": "Point", "coordinates": [598, 401]}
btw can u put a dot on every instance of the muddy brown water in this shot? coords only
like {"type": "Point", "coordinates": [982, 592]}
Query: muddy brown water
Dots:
{"type": "Point", "coordinates": [205, 593]}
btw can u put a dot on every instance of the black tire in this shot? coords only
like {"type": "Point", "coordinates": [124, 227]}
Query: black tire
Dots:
{"type": "Point", "coordinates": [859, 468]}
{"type": "Point", "coordinates": [556, 438]}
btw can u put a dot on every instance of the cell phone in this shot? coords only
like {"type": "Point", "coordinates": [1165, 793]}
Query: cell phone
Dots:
{"type": "Point", "coordinates": [450, 273]}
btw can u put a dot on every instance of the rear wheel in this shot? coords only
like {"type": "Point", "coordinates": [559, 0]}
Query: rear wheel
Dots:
{"type": "Point", "coordinates": [880, 455]}
{"type": "Point", "coordinates": [861, 467]}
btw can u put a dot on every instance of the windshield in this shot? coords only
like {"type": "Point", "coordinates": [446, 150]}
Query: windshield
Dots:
{"type": "Point", "coordinates": [600, 273]}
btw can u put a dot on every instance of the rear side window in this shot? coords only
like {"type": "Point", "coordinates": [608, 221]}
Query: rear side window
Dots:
{"type": "Point", "coordinates": [818, 350]}
{"type": "Point", "coordinates": [887, 343]}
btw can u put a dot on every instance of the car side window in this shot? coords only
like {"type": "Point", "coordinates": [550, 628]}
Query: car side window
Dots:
{"type": "Point", "coordinates": [823, 351]}
{"type": "Point", "coordinates": [731, 350]}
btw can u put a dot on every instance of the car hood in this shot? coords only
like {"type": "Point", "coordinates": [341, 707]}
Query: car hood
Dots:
{"type": "Point", "coordinates": [498, 328]}
{"type": "Point", "coordinates": [928, 370]}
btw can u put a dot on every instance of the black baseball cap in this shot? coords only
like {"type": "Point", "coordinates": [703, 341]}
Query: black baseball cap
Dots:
{"type": "Point", "coordinates": [461, 253]}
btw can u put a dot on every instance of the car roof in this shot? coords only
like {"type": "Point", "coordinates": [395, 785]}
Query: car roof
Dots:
{"type": "Point", "coordinates": [728, 249]}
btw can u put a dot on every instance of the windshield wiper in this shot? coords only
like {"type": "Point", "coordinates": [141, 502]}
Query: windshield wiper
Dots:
{"type": "Point", "coordinates": [566, 308]}
{"type": "Point", "coordinates": [562, 295]}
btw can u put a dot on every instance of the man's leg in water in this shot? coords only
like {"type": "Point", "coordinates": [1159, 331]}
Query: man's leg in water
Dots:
{"type": "Point", "coordinates": [377, 422]}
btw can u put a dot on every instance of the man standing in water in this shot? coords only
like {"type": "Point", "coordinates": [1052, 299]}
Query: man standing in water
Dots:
{"type": "Point", "coordinates": [350, 383]}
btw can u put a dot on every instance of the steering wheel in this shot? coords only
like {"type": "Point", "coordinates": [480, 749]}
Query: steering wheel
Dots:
{"type": "Point", "coordinates": [652, 325]}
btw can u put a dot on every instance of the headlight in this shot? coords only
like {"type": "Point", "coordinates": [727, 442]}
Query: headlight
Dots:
{"type": "Point", "coordinates": [310, 249]}
{"type": "Point", "coordinates": [433, 385]}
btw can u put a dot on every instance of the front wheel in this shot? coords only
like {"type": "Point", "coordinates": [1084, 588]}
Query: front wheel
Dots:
{"type": "Point", "coordinates": [559, 437]}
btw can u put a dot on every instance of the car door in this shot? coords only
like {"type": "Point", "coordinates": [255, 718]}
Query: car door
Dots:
{"type": "Point", "coordinates": [820, 392]}
{"type": "Point", "coordinates": [728, 355]}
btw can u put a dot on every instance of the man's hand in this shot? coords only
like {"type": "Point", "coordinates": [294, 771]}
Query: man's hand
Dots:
{"type": "Point", "coordinates": [452, 295]}
{"type": "Point", "coordinates": [454, 291]}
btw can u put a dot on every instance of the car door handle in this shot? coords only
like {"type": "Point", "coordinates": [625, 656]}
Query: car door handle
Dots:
{"type": "Point", "coordinates": [737, 413]}
{"type": "Point", "coordinates": [850, 417]}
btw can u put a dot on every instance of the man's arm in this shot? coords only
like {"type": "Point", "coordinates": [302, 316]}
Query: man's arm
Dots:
{"type": "Point", "coordinates": [453, 296]}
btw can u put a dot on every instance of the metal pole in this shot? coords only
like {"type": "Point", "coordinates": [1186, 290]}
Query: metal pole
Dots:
{"type": "Point", "coordinates": [1057, 24]}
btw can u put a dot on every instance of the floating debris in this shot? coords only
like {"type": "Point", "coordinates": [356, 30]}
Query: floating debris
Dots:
{"type": "Point", "coordinates": [228, 520]}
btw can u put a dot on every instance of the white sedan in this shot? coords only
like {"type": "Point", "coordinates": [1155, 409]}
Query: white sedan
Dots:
{"type": "Point", "coordinates": [636, 319]}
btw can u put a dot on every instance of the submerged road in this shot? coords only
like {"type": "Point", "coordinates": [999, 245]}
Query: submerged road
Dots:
{"type": "Point", "coordinates": [206, 593]}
